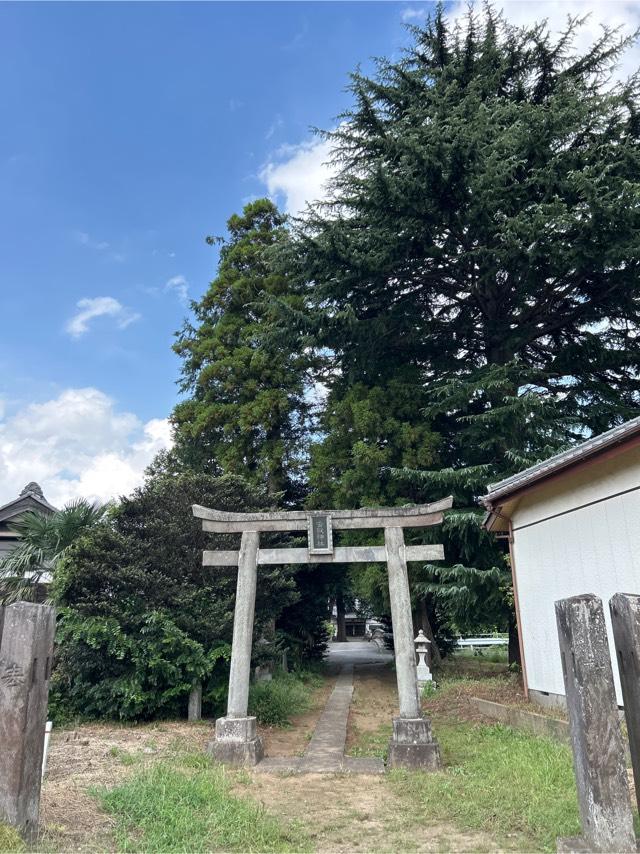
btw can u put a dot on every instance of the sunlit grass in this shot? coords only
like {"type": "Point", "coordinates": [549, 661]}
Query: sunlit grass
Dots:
{"type": "Point", "coordinates": [518, 787]}
{"type": "Point", "coordinates": [187, 805]}
{"type": "Point", "coordinates": [10, 839]}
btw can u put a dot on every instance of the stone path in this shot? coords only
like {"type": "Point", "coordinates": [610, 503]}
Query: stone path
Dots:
{"type": "Point", "coordinates": [325, 753]}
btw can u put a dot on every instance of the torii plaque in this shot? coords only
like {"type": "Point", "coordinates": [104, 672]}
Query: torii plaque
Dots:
{"type": "Point", "coordinates": [412, 744]}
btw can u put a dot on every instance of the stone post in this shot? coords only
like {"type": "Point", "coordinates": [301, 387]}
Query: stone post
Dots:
{"type": "Point", "coordinates": [26, 654]}
{"type": "Point", "coordinates": [625, 619]}
{"type": "Point", "coordinates": [237, 741]}
{"type": "Point", "coordinates": [412, 744]}
{"type": "Point", "coordinates": [194, 712]}
{"type": "Point", "coordinates": [598, 753]}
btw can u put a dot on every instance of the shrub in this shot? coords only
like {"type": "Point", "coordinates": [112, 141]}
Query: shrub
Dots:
{"type": "Point", "coordinates": [140, 617]}
{"type": "Point", "coordinates": [287, 694]}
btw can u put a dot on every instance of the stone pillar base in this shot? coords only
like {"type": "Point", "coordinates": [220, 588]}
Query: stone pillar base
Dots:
{"type": "Point", "coordinates": [237, 742]}
{"type": "Point", "coordinates": [412, 745]}
{"type": "Point", "coordinates": [574, 845]}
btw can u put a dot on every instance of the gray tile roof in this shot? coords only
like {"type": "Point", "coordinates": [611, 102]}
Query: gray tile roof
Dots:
{"type": "Point", "coordinates": [560, 461]}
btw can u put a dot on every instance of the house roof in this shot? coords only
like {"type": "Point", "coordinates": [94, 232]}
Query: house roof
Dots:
{"type": "Point", "coordinates": [31, 498]}
{"type": "Point", "coordinates": [503, 489]}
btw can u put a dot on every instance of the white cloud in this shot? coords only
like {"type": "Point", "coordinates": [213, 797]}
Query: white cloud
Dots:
{"type": "Point", "coordinates": [413, 15]}
{"type": "Point", "coordinates": [90, 308]}
{"type": "Point", "coordinates": [613, 13]}
{"type": "Point", "coordinates": [77, 444]}
{"type": "Point", "coordinates": [299, 173]}
{"type": "Point", "coordinates": [180, 286]}
{"type": "Point", "coordinates": [86, 240]}
{"type": "Point", "coordinates": [274, 127]}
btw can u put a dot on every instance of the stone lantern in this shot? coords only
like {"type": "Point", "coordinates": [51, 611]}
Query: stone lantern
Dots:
{"type": "Point", "coordinates": [422, 648]}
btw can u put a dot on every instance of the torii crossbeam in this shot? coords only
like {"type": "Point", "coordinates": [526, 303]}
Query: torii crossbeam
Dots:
{"type": "Point", "coordinates": [237, 742]}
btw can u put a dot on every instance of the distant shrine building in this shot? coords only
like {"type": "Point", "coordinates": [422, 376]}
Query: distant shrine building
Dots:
{"type": "Point", "coordinates": [30, 499]}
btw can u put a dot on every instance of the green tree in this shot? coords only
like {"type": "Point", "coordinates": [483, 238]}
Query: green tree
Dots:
{"type": "Point", "coordinates": [44, 541]}
{"type": "Point", "coordinates": [480, 247]}
{"type": "Point", "coordinates": [246, 411]}
{"type": "Point", "coordinates": [140, 618]}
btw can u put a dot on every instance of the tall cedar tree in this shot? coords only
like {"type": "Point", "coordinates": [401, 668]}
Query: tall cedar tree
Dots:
{"type": "Point", "coordinates": [475, 270]}
{"type": "Point", "coordinates": [246, 412]}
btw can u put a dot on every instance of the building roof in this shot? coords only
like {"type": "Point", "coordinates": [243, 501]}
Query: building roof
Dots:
{"type": "Point", "coordinates": [31, 498]}
{"type": "Point", "coordinates": [503, 489]}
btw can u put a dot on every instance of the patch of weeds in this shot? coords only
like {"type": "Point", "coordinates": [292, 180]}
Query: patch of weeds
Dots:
{"type": "Point", "coordinates": [372, 743]}
{"type": "Point", "coordinates": [274, 703]}
{"type": "Point", "coordinates": [187, 805]}
{"type": "Point", "coordinates": [123, 756]}
{"type": "Point", "coordinates": [10, 839]}
{"type": "Point", "coordinates": [429, 689]}
{"type": "Point", "coordinates": [507, 783]}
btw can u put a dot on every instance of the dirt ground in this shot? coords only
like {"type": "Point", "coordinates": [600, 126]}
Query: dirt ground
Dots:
{"type": "Point", "coordinates": [95, 756]}
{"type": "Point", "coordinates": [359, 814]}
{"type": "Point", "coordinates": [375, 698]}
{"type": "Point", "coordinates": [99, 755]}
{"type": "Point", "coordinates": [340, 813]}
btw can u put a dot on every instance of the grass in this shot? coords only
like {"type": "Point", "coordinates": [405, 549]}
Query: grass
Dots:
{"type": "Point", "coordinates": [515, 787]}
{"type": "Point", "coordinates": [372, 742]}
{"type": "Point", "coordinates": [10, 839]}
{"type": "Point", "coordinates": [495, 654]}
{"type": "Point", "coordinates": [512, 785]}
{"type": "Point", "coordinates": [187, 805]}
{"type": "Point", "coordinates": [274, 703]}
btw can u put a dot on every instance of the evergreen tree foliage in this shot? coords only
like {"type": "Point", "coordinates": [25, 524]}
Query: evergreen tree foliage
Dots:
{"type": "Point", "coordinates": [140, 618]}
{"type": "Point", "coordinates": [246, 412]}
{"type": "Point", "coordinates": [479, 254]}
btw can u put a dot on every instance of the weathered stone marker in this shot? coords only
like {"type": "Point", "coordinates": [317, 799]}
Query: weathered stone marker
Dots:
{"type": "Point", "coordinates": [625, 619]}
{"type": "Point", "coordinates": [236, 741]}
{"type": "Point", "coordinates": [26, 655]}
{"type": "Point", "coordinates": [596, 739]}
{"type": "Point", "coordinates": [194, 711]}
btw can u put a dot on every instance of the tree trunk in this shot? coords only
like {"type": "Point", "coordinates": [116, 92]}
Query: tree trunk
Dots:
{"type": "Point", "coordinates": [425, 625]}
{"type": "Point", "coordinates": [341, 618]}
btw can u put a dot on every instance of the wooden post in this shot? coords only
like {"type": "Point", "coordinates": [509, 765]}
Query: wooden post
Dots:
{"type": "Point", "coordinates": [625, 619]}
{"type": "Point", "coordinates": [598, 753]}
{"type": "Point", "coordinates": [26, 651]}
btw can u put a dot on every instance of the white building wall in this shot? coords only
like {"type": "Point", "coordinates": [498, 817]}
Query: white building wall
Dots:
{"type": "Point", "coordinates": [562, 548]}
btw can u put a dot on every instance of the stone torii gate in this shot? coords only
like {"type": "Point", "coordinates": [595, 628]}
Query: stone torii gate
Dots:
{"type": "Point", "coordinates": [237, 742]}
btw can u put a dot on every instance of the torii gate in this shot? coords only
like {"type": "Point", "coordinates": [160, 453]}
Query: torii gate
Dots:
{"type": "Point", "coordinates": [237, 741]}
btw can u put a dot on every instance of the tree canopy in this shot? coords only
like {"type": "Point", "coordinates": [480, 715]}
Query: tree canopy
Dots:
{"type": "Point", "coordinates": [473, 275]}
{"type": "Point", "coordinates": [246, 412]}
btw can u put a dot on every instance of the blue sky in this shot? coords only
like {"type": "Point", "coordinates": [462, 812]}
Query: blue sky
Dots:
{"type": "Point", "coordinates": [129, 132]}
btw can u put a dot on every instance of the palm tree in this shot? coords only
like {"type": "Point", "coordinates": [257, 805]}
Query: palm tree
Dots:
{"type": "Point", "coordinates": [44, 540]}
